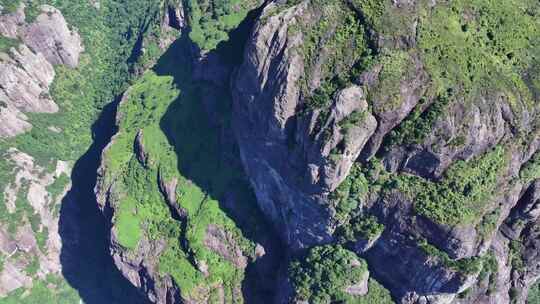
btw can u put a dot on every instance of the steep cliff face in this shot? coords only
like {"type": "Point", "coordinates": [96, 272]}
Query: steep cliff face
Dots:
{"type": "Point", "coordinates": [170, 184]}
{"type": "Point", "coordinates": [405, 130]}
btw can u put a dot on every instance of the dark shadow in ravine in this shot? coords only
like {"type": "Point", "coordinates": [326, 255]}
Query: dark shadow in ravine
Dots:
{"type": "Point", "coordinates": [198, 126]}
{"type": "Point", "coordinates": [86, 261]}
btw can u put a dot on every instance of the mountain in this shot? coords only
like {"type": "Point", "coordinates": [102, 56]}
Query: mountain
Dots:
{"type": "Point", "coordinates": [286, 151]}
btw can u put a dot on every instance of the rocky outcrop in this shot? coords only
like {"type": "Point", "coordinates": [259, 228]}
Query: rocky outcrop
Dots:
{"type": "Point", "coordinates": [49, 35]}
{"type": "Point", "coordinates": [224, 243]}
{"type": "Point", "coordinates": [26, 71]}
{"type": "Point", "coordinates": [24, 81]}
{"type": "Point", "coordinates": [297, 156]}
{"type": "Point", "coordinates": [36, 241]}
{"type": "Point", "coordinates": [294, 158]}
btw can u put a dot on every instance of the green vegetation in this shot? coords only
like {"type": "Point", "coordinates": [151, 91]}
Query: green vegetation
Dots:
{"type": "Point", "coordinates": [32, 267]}
{"type": "Point", "coordinates": [360, 227]}
{"type": "Point", "coordinates": [472, 46]}
{"type": "Point", "coordinates": [109, 35]}
{"type": "Point", "coordinates": [531, 170]}
{"type": "Point", "coordinates": [350, 193]}
{"type": "Point", "coordinates": [53, 290]}
{"type": "Point", "coordinates": [327, 271]}
{"type": "Point", "coordinates": [341, 37]}
{"type": "Point", "coordinates": [386, 95]}
{"type": "Point", "coordinates": [514, 255]}
{"type": "Point", "coordinates": [180, 144]}
{"type": "Point", "coordinates": [490, 268]}
{"type": "Point", "coordinates": [534, 294]}
{"type": "Point", "coordinates": [103, 73]}
{"type": "Point", "coordinates": [7, 43]}
{"type": "Point", "coordinates": [10, 6]}
{"type": "Point", "coordinates": [418, 124]}
{"type": "Point", "coordinates": [211, 20]}
{"type": "Point", "coordinates": [58, 186]}
{"type": "Point", "coordinates": [324, 274]}
{"type": "Point", "coordinates": [467, 265]}
{"type": "Point", "coordinates": [489, 223]}
{"type": "Point", "coordinates": [461, 196]}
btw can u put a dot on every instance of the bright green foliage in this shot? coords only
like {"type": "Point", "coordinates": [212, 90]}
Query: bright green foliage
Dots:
{"type": "Point", "coordinates": [350, 192]}
{"type": "Point", "coordinates": [180, 145]}
{"type": "Point", "coordinates": [477, 45]}
{"type": "Point", "coordinates": [53, 290]}
{"type": "Point", "coordinates": [324, 274]}
{"type": "Point", "coordinates": [211, 20]}
{"type": "Point", "coordinates": [377, 294]}
{"type": "Point", "coordinates": [360, 227]}
{"type": "Point", "coordinates": [462, 194]}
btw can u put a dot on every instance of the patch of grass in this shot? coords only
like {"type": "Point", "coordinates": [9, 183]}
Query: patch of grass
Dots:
{"type": "Point", "coordinates": [128, 224]}
{"type": "Point", "coordinates": [10, 6]}
{"type": "Point", "coordinates": [32, 267]}
{"type": "Point", "coordinates": [476, 45]}
{"type": "Point", "coordinates": [386, 94]}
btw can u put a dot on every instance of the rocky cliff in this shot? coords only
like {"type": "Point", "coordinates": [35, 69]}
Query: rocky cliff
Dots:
{"type": "Point", "coordinates": [405, 130]}
{"type": "Point", "coordinates": [26, 65]}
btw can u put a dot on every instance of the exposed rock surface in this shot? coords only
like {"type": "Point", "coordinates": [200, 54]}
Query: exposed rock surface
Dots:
{"type": "Point", "coordinates": [297, 157]}
{"type": "Point", "coordinates": [291, 163]}
{"type": "Point", "coordinates": [26, 71]}
{"type": "Point", "coordinates": [30, 187]}
{"type": "Point", "coordinates": [49, 35]}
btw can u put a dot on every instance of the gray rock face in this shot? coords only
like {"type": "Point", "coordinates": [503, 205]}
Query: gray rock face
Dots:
{"type": "Point", "coordinates": [292, 167]}
{"type": "Point", "coordinates": [26, 72]}
{"type": "Point", "coordinates": [296, 157]}
{"type": "Point", "coordinates": [25, 78]}
{"type": "Point", "coordinates": [49, 34]}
